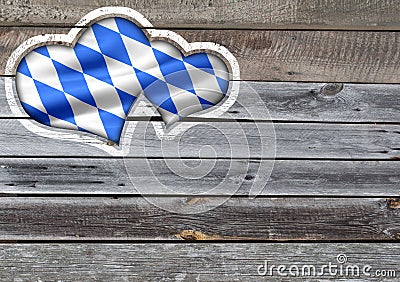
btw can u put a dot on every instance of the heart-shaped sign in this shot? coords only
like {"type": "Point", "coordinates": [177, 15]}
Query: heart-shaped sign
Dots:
{"type": "Point", "coordinates": [92, 85]}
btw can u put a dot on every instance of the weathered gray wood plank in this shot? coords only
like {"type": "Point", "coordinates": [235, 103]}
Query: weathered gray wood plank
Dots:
{"type": "Point", "coordinates": [289, 101]}
{"type": "Point", "coordinates": [326, 14]}
{"type": "Point", "coordinates": [187, 262]}
{"type": "Point", "coordinates": [108, 176]}
{"type": "Point", "coordinates": [293, 140]}
{"type": "Point", "coordinates": [308, 102]}
{"type": "Point", "coordinates": [237, 219]}
{"type": "Point", "coordinates": [318, 56]}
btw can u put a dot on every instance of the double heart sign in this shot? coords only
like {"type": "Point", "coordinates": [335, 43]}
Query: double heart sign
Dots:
{"type": "Point", "coordinates": [90, 79]}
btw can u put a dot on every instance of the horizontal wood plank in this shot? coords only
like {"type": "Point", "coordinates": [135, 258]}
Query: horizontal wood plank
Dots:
{"type": "Point", "coordinates": [189, 262]}
{"type": "Point", "coordinates": [109, 176]}
{"type": "Point", "coordinates": [236, 219]}
{"type": "Point", "coordinates": [316, 56]}
{"type": "Point", "coordinates": [326, 14]}
{"type": "Point", "coordinates": [288, 101]}
{"type": "Point", "coordinates": [228, 139]}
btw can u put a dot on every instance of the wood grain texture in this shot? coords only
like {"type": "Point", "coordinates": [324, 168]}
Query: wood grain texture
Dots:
{"type": "Point", "coordinates": [237, 219]}
{"type": "Point", "coordinates": [290, 101]}
{"type": "Point", "coordinates": [228, 139]}
{"type": "Point", "coordinates": [316, 56]}
{"type": "Point", "coordinates": [311, 14]}
{"type": "Point", "coordinates": [109, 176]}
{"type": "Point", "coordinates": [185, 262]}
{"type": "Point", "coordinates": [336, 177]}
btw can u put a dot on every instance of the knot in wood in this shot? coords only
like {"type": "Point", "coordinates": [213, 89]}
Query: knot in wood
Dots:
{"type": "Point", "coordinates": [330, 89]}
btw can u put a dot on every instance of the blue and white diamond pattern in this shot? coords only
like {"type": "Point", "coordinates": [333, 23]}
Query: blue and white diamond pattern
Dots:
{"type": "Point", "coordinates": [92, 86]}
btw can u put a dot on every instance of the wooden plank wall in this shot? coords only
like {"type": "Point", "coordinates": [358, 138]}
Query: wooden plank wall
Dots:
{"type": "Point", "coordinates": [69, 212]}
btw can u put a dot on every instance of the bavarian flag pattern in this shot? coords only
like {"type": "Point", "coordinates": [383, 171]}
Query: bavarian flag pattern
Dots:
{"type": "Point", "coordinates": [93, 86]}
